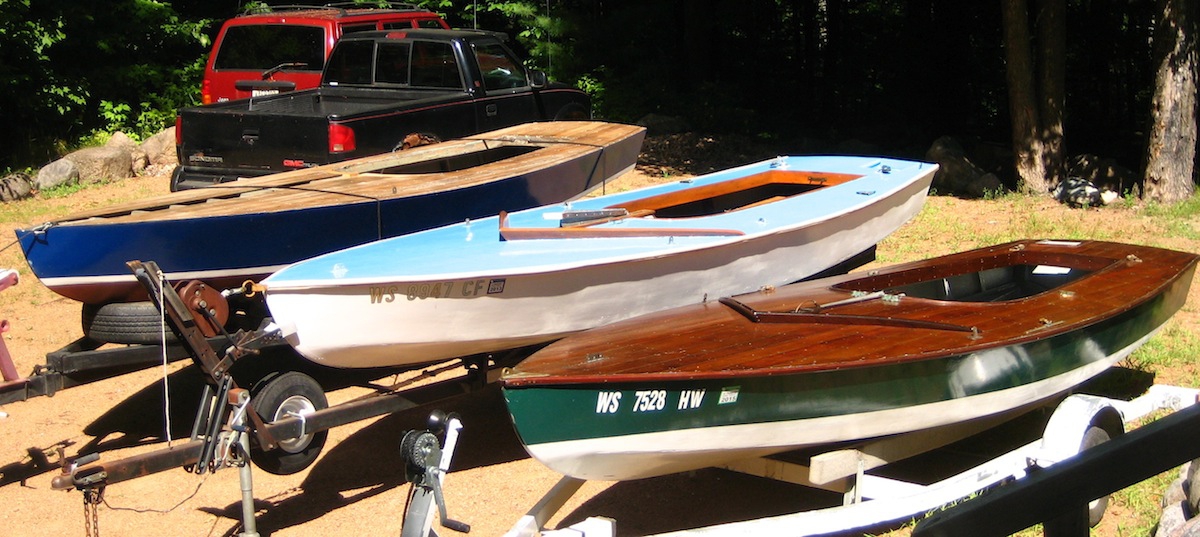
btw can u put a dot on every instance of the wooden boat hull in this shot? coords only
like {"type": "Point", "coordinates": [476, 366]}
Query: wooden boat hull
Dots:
{"type": "Point", "coordinates": [350, 323]}
{"type": "Point", "coordinates": [717, 402]}
{"type": "Point", "coordinates": [250, 228]}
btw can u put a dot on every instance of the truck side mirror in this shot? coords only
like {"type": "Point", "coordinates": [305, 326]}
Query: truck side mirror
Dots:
{"type": "Point", "coordinates": [537, 79]}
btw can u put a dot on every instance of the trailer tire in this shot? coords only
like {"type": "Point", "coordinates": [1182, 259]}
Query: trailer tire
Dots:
{"type": "Point", "coordinates": [1094, 436]}
{"type": "Point", "coordinates": [131, 323]}
{"type": "Point", "coordinates": [280, 395]}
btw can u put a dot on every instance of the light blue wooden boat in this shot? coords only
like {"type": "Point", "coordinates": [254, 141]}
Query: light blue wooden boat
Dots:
{"type": "Point", "coordinates": [536, 275]}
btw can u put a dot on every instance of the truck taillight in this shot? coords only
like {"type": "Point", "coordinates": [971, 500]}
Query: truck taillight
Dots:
{"type": "Point", "coordinates": [341, 138]}
{"type": "Point", "coordinates": [206, 91]}
{"type": "Point", "coordinates": [178, 131]}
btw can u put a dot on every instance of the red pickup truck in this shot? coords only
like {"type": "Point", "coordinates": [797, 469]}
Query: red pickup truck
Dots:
{"type": "Point", "coordinates": [270, 49]}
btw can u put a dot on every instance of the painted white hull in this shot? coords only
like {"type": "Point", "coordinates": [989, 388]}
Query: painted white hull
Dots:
{"type": "Point", "coordinates": [409, 322]}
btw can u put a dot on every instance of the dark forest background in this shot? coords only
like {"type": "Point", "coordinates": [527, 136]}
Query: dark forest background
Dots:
{"type": "Point", "coordinates": [803, 75]}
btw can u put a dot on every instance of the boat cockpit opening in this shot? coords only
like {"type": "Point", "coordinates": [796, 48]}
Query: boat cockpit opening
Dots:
{"type": "Point", "coordinates": [726, 196]}
{"type": "Point", "coordinates": [997, 284]}
{"type": "Point", "coordinates": [458, 162]}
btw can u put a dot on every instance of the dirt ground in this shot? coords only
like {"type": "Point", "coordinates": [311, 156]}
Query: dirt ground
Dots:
{"type": "Point", "coordinates": [357, 486]}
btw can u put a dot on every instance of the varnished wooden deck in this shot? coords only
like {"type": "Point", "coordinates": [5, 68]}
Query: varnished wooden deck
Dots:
{"type": "Point", "coordinates": [713, 340]}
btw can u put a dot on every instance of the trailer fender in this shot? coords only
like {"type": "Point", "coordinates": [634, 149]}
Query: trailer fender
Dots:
{"type": "Point", "coordinates": [1067, 430]}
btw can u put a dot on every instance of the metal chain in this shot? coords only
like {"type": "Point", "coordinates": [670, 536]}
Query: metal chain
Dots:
{"type": "Point", "coordinates": [91, 510]}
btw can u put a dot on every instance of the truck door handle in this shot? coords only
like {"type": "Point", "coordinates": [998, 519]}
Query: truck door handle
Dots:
{"type": "Point", "coordinates": [249, 137]}
{"type": "Point", "coordinates": [491, 110]}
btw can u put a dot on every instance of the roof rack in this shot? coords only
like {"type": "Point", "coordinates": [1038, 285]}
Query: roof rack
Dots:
{"type": "Point", "coordinates": [260, 8]}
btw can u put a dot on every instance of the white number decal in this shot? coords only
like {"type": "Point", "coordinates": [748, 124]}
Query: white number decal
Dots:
{"type": "Point", "coordinates": [650, 400]}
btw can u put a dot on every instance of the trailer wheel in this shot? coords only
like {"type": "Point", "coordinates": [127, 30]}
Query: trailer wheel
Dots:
{"type": "Point", "coordinates": [1095, 436]}
{"type": "Point", "coordinates": [131, 323]}
{"type": "Point", "coordinates": [282, 395]}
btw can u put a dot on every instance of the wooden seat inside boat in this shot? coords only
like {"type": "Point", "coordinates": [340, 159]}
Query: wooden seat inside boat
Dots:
{"type": "Point", "coordinates": [743, 193]}
{"type": "Point", "coordinates": [459, 162]}
{"type": "Point", "coordinates": [992, 285]}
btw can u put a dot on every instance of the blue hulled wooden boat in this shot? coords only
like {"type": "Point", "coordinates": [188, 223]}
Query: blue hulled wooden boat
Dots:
{"type": "Point", "coordinates": [853, 357]}
{"type": "Point", "coordinates": [247, 229]}
{"type": "Point", "coordinates": [533, 276]}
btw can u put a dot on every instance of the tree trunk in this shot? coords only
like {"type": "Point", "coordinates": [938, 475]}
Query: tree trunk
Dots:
{"type": "Point", "coordinates": [1171, 151]}
{"type": "Point", "coordinates": [1052, 82]}
{"type": "Point", "coordinates": [1023, 108]}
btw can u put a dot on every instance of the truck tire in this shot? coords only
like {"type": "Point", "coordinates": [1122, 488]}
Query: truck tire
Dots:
{"type": "Point", "coordinates": [572, 112]}
{"type": "Point", "coordinates": [130, 323]}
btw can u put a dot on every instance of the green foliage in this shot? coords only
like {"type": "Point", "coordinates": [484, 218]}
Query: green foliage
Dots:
{"type": "Point", "coordinates": [594, 87]}
{"type": "Point", "coordinates": [62, 191]}
{"type": "Point", "coordinates": [71, 68]}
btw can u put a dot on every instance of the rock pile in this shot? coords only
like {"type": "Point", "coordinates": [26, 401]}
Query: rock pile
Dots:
{"type": "Point", "coordinates": [121, 157]}
{"type": "Point", "coordinates": [1181, 504]}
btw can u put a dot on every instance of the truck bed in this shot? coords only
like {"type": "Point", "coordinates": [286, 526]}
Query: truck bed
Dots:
{"type": "Point", "coordinates": [337, 102]}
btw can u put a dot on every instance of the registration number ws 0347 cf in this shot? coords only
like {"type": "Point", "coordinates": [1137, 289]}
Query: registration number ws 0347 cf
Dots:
{"type": "Point", "coordinates": [385, 294]}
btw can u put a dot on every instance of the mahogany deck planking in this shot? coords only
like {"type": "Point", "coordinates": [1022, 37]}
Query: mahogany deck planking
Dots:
{"type": "Point", "coordinates": [702, 341]}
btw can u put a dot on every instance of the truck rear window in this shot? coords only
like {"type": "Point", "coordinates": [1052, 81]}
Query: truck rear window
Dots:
{"type": "Point", "coordinates": [425, 64]}
{"type": "Point", "coordinates": [350, 63]}
{"type": "Point", "coordinates": [261, 47]}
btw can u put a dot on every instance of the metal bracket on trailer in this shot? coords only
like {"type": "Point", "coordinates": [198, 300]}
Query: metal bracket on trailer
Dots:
{"type": "Point", "coordinates": [213, 410]}
{"type": "Point", "coordinates": [186, 328]}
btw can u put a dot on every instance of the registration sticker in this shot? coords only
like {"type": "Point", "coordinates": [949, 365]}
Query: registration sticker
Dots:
{"type": "Point", "coordinates": [728, 396]}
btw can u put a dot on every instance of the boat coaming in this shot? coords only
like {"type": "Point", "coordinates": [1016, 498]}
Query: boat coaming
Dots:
{"type": "Point", "coordinates": [250, 228]}
{"type": "Point", "coordinates": [626, 407]}
{"type": "Point", "coordinates": [541, 290]}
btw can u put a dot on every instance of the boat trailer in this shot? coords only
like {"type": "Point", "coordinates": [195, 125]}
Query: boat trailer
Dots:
{"type": "Point", "coordinates": [1066, 455]}
{"type": "Point", "coordinates": [226, 422]}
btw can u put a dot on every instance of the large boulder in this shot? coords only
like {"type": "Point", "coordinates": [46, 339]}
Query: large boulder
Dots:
{"type": "Point", "coordinates": [137, 157]}
{"type": "Point", "coordinates": [103, 163]}
{"type": "Point", "coordinates": [59, 172]}
{"type": "Point", "coordinates": [160, 148]}
{"type": "Point", "coordinates": [956, 174]}
{"type": "Point", "coordinates": [123, 141]}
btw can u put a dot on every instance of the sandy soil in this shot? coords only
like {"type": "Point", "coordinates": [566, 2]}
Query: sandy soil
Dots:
{"type": "Point", "coordinates": [357, 486]}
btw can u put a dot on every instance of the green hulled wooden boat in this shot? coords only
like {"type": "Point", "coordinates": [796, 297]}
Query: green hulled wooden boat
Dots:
{"type": "Point", "coordinates": [859, 356]}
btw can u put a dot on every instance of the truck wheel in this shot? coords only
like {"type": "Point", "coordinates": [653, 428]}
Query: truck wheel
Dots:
{"type": "Point", "coordinates": [283, 395]}
{"type": "Point", "coordinates": [572, 112]}
{"type": "Point", "coordinates": [131, 323]}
